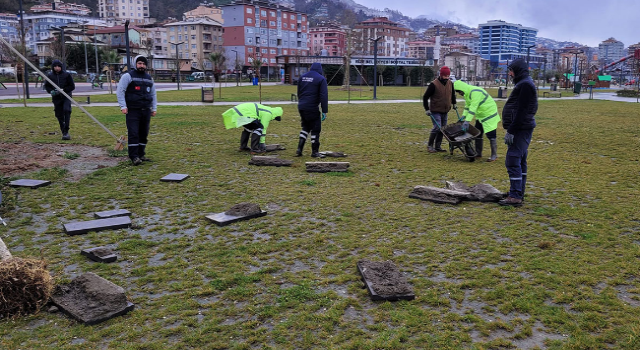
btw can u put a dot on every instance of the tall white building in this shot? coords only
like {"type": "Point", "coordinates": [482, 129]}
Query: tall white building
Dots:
{"type": "Point", "coordinates": [115, 12]}
{"type": "Point", "coordinates": [610, 51]}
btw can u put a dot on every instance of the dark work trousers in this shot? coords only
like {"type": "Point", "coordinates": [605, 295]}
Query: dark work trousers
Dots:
{"type": "Point", "coordinates": [311, 123]}
{"type": "Point", "coordinates": [516, 162]}
{"type": "Point", "coordinates": [138, 121]}
{"type": "Point", "coordinates": [62, 110]}
{"type": "Point", "coordinates": [439, 120]}
{"type": "Point", "coordinates": [255, 129]}
{"type": "Point", "coordinates": [490, 135]}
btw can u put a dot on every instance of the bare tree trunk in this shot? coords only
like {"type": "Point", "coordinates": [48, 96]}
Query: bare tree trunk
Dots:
{"type": "Point", "coordinates": [17, 84]}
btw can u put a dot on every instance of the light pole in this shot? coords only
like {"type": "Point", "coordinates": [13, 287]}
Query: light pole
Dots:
{"type": "Point", "coordinates": [235, 67]}
{"type": "Point", "coordinates": [575, 68]}
{"type": "Point", "coordinates": [95, 48]}
{"type": "Point", "coordinates": [126, 38]}
{"type": "Point", "coordinates": [528, 50]}
{"type": "Point", "coordinates": [177, 62]}
{"type": "Point", "coordinates": [375, 65]}
{"type": "Point", "coordinates": [24, 53]}
{"type": "Point", "coordinates": [86, 59]}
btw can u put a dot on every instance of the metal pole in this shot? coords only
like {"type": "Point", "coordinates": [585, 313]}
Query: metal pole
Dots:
{"type": "Point", "coordinates": [24, 51]}
{"type": "Point", "coordinates": [86, 59]}
{"type": "Point", "coordinates": [395, 75]}
{"type": "Point", "coordinates": [544, 72]}
{"type": "Point", "coordinates": [95, 47]}
{"type": "Point", "coordinates": [375, 65]}
{"type": "Point", "coordinates": [575, 70]}
{"type": "Point", "coordinates": [178, 66]}
{"type": "Point", "coordinates": [64, 61]}
{"type": "Point", "coordinates": [126, 38]}
{"type": "Point", "coordinates": [235, 67]}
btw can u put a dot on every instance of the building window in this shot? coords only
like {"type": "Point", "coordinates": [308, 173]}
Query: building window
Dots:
{"type": "Point", "coordinates": [272, 51]}
{"type": "Point", "coordinates": [263, 13]}
{"type": "Point", "coordinates": [193, 46]}
{"type": "Point", "coordinates": [284, 52]}
{"type": "Point", "coordinates": [250, 50]}
{"type": "Point", "coordinates": [249, 20]}
{"type": "Point", "coordinates": [193, 27]}
{"type": "Point", "coordinates": [193, 37]}
{"type": "Point", "coordinates": [249, 10]}
{"type": "Point", "coordinates": [272, 23]}
{"type": "Point", "coordinates": [264, 50]}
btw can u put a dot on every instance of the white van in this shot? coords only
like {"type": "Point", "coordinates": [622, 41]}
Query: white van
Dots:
{"type": "Point", "coordinates": [198, 75]}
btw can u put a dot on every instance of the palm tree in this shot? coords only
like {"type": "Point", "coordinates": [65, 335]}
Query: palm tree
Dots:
{"type": "Point", "coordinates": [218, 59]}
{"type": "Point", "coordinates": [256, 64]}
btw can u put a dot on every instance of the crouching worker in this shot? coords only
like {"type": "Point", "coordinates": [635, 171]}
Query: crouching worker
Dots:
{"type": "Point", "coordinates": [255, 119]}
{"type": "Point", "coordinates": [479, 105]}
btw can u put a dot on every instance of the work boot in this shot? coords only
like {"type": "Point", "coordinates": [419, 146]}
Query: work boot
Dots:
{"type": "Point", "coordinates": [479, 141]}
{"type": "Point", "coordinates": [510, 201]}
{"type": "Point", "coordinates": [145, 159]}
{"type": "Point", "coordinates": [244, 140]}
{"type": "Point", "coordinates": [432, 138]}
{"type": "Point", "coordinates": [301, 142]}
{"type": "Point", "coordinates": [494, 150]}
{"type": "Point", "coordinates": [315, 148]}
{"type": "Point", "coordinates": [136, 161]}
{"type": "Point", "coordinates": [438, 142]}
{"type": "Point", "coordinates": [66, 136]}
{"type": "Point", "coordinates": [255, 144]}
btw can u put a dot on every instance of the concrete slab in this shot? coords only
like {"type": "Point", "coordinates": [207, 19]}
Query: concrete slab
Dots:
{"type": "Point", "coordinates": [174, 177]}
{"type": "Point", "coordinates": [384, 281]}
{"type": "Point", "coordinates": [77, 228]}
{"type": "Point", "coordinates": [100, 254]}
{"type": "Point", "coordinates": [333, 154]}
{"type": "Point", "coordinates": [222, 219]}
{"type": "Point", "coordinates": [326, 167]}
{"type": "Point", "coordinates": [269, 161]}
{"type": "Point", "coordinates": [29, 183]}
{"type": "Point", "coordinates": [275, 147]}
{"type": "Point", "coordinates": [111, 213]}
{"type": "Point", "coordinates": [91, 299]}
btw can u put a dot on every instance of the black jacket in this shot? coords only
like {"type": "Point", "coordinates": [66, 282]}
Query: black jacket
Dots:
{"type": "Point", "coordinates": [520, 109]}
{"type": "Point", "coordinates": [312, 90]}
{"type": "Point", "coordinates": [63, 79]}
{"type": "Point", "coordinates": [431, 89]}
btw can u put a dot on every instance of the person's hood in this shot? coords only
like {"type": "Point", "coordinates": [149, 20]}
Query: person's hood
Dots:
{"type": "Point", "coordinates": [520, 68]}
{"type": "Point", "coordinates": [277, 111]}
{"type": "Point", "coordinates": [57, 63]}
{"type": "Point", "coordinates": [316, 67]}
{"type": "Point", "coordinates": [462, 86]}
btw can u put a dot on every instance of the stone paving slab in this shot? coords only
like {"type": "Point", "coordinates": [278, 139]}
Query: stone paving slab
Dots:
{"type": "Point", "coordinates": [111, 213]}
{"type": "Point", "coordinates": [77, 228]}
{"type": "Point", "coordinates": [29, 183]}
{"type": "Point", "coordinates": [175, 177]}
{"type": "Point", "coordinates": [222, 219]}
{"type": "Point", "coordinates": [100, 254]}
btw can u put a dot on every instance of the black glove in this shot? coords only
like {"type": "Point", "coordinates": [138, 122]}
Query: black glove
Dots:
{"type": "Point", "coordinates": [278, 118]}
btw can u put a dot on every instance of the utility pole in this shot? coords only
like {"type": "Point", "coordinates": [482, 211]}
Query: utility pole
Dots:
{"type": "Point", "coordinates": [95, 47]}
{"type": "Point", "coordinates": [177, 62]}
{"type": "Point", "coordinates": [126, 37]}
{"type": "Point", "coordinates": [86, 59]}
{"type": "Point", "coordinates": [528, 50]}
{"type": "Point", "coordinates": [25, 79]}
{"type": "Point", "coordinates": [375, 65]}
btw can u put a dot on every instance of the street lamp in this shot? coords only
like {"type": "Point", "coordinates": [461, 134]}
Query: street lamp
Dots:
{"type": "Point", "coordinates": [528, 49]}
{"type": "Point", "coordinates": [177, 61]}
{"type": "Point", "coordinates": [375, 65]}
{"type": "Point", "coordinates": [235, 67]}
{"type": "Point", "coordinates": [126, 38]}
{"type": "Point", "coordinates": [24, 52]}
{"type": "Point", "coordinates": [95, 48]}
{"type": "Point", "coordinates": [84, 43]}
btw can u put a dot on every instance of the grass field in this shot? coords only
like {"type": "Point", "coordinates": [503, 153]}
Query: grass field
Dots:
{"type": "Point", "coordinates": [275, 93]}
{"type": "Point", "coordinates": [559, 273]}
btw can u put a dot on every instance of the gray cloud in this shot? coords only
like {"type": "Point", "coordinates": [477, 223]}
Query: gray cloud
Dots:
{"type": "Point", "coordinates": [586, 21]}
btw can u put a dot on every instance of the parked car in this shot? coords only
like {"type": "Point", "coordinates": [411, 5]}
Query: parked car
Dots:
{"type": "Point", "coordinates": [196, 76]}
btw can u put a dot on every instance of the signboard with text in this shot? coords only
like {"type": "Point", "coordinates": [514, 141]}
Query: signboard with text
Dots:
{"type": "Point", "coordinates": [391, 62]}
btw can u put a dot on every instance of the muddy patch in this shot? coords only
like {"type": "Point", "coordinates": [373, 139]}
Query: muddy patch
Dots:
{"type": "Point", "coordinates": [79, 160]}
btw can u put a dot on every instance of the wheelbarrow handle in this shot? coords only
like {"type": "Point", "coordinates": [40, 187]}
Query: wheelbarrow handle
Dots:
{"type": "Point", "coordinates": [459, 117]}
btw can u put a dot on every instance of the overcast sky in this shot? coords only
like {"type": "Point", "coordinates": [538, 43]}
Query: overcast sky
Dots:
{"type": "Point", "coordinates": [586, 21]}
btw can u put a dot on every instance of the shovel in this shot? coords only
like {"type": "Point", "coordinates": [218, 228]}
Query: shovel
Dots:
{"type": "Point", "coordinates": [119, 141]}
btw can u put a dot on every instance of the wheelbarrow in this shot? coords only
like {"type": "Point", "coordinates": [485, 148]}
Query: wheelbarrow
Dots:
{"type": "Point", "coordinates": [460, 139]}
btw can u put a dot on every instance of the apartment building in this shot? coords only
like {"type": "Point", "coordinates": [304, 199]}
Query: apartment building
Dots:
{"type": "Point", "coordinates": [501, 41]}
{"type": "Point", "coordinates": [9, 27]}
{"type": "Point", "coordinates": [328, 37]}
{"type": "Point", "coordinates": [116, 12]}
{"type": "Point", "coordinates": [610, 51]}
{"type": "Point", "coordinates": [394, 37]}
{"type": "Point", "coordinates": [207, 11]}
{"type": "Point", "coordinates": [467, 39]}
{"type": "Point", "coordinates": [197, 38]}
{"type": "Point", "coordinates": [255, 29]}
{"type": "Point", "coordinates": [61, 7]}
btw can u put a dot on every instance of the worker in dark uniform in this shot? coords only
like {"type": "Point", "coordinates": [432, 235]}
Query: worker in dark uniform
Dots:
{"type": "Point", "coordinates": [61, 104]}
{"type": "Point", "coordinates": [519, 119]}
{"type": "Point", "coordinates": [313, 101]}
{"type": "Point", "coordinates": [137, 99]}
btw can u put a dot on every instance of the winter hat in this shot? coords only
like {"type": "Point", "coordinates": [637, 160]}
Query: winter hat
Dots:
{"type": "Point", "coordinates": [141, 58]}
{"type": "Point", "coordinates": [445, 71]}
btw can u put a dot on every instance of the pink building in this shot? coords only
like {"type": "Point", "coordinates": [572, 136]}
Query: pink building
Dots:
{"type": "Point", "coordinates": [328, 37]}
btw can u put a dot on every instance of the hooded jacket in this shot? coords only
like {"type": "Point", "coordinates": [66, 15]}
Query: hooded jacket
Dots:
{"type": "Point", "coordinates": [478, 104]}
{"type": "Point", "coordinates": [312, 90]}
{"type": "Point", "coordinates": [63, 79]}
{"type": "Point", "coordinates": [520, 109]}
{"type": "Point", "coordinates": [246, 113]}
